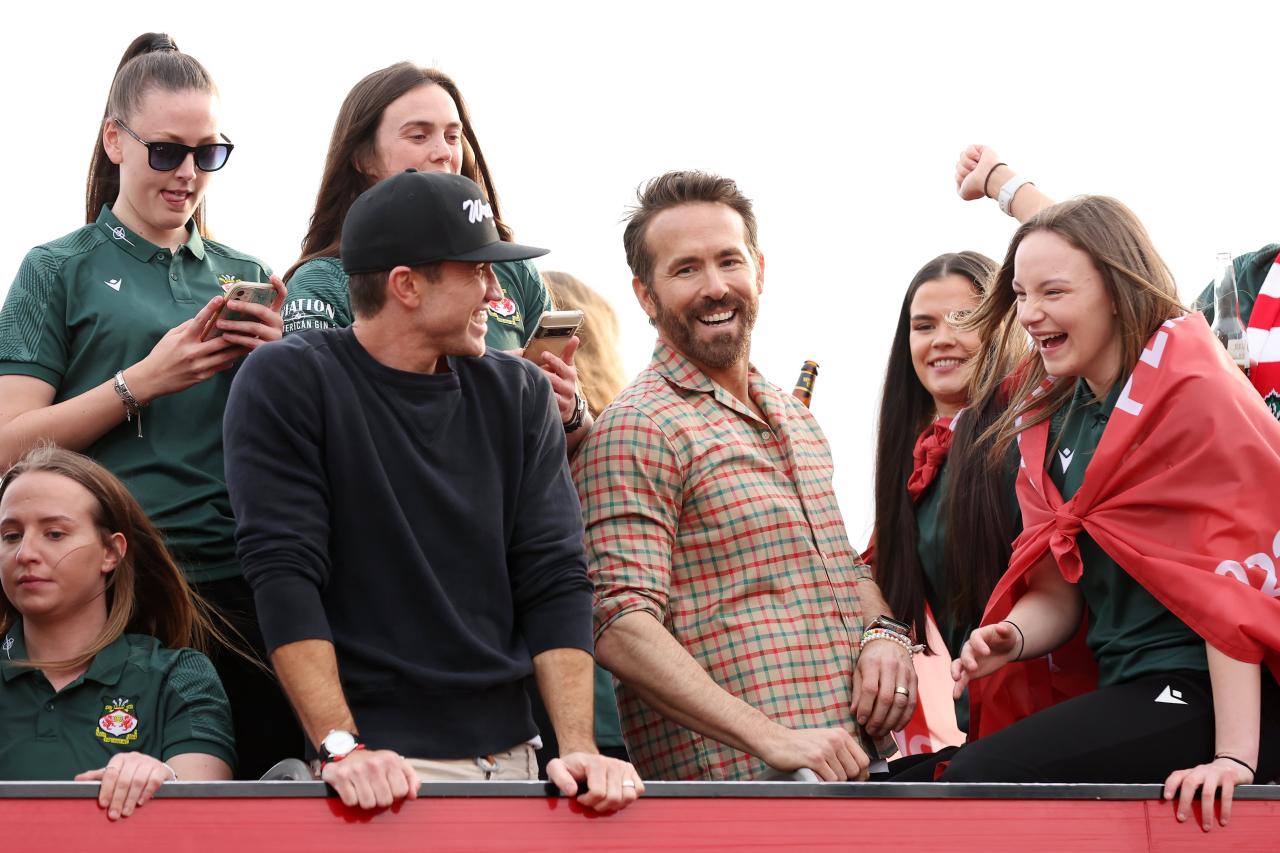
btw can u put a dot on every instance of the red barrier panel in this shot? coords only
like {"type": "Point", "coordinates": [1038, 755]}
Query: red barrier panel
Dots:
{"type": "Point", "coordinates": [310, 824]}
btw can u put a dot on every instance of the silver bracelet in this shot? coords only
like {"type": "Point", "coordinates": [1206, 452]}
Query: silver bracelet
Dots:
{"type": "Point", "coordinates": [132, 408]}
{"type": "Point", "coordinates": [1008, 191]}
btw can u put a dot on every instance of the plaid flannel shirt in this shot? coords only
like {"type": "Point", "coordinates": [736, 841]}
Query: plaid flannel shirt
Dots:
{"type": "Point", "coordinates": [725, 529]}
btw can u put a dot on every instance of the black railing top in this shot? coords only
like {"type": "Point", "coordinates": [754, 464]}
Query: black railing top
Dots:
{"type": "Point", "coordinates": [802, 790]}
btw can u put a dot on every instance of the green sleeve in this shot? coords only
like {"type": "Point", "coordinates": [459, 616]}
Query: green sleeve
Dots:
{"type": "Point", "coordinates": [197, 713]}
{"type": "Point", "coordinates": [318, 297]}
{"type": "Point", "coordinates": [525, 286]}
{"type": "Point", "coordinates": [34, 339]}
{"type": "Point", "coordinates": [1251, 271]}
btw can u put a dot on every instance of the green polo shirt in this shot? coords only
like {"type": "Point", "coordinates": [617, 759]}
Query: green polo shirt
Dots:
{"type": "Point", "coordinates": [318, 299]}
{"type": "Point", "coordinates": [1131, 634]}
{"type": "Point", "coordinates": [136, 696]}
{"type": "Point", "coordinates": [97, 301]}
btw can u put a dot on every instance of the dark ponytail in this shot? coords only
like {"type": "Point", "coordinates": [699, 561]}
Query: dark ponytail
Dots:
{"type": "Point", "coordinates": [152, 60]}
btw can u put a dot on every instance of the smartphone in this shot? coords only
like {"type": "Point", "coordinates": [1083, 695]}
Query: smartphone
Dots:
{"type": "Point", "coordinates": [259, 293]}
{"type": "Point", "coordinates": [554, 330]}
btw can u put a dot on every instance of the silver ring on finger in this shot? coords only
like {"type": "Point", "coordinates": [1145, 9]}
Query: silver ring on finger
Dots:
{"type": "Point", "coordinates": [901, 690]}
{"type": "Point", "coordinates": [628, 783]}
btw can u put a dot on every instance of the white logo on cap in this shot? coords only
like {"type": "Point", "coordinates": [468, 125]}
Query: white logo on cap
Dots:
{"type": "Point", "coordinates": [477, 210]}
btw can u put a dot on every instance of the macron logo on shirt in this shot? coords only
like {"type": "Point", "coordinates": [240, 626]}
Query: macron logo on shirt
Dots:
{"type": "Point", "coordinates": [1064, 456]}
{"type": "Point", "coordinates": [114, 283]}
{"type": "Point", "coordinates": [478, 210]}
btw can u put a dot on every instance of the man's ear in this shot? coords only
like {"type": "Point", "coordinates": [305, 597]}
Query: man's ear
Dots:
{"type": "Point", "coordinates": [111, 141]}
{"type": "Point", "coordinates": [759, 273]}
{"type": "Point", "coordinates": [404, 287]}
{"type": "Point", "coordinates": [644, 294]}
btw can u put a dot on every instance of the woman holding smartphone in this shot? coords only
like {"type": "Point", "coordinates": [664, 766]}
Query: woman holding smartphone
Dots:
{"type": "Point", "coordinates": [102, 350]}
{"type": "Point", "coordinates": [1135, 435]}
{"type": "Point", "coordinates": [93, 605]}
{"type": "Point", "coordinates": [406, 117]}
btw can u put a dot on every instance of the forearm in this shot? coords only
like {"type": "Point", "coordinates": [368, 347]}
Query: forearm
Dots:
{"type": "Point", "coordinates": [574, 439]}
{"type": "Point", "coordinates": [872, 601]}
{"type": "Point", "coordinates": [643, 654]}
{"type": "Point", "coordinates": [565, 681]}
{"type": "Point", "coordinates": [1048, 614]}
{"type": "Point", "coordinates": [1027, 202]}
{"type": "Point", "coordinates": [198, 767]}
{"type": "Point", "coordinates": [308, 671]}
{"type": "Point", "coordinates": [1237, 706]}
{"type": "Point", "coordinates": [74, 424]}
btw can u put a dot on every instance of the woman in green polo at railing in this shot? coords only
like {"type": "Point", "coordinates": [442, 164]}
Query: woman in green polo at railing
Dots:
{"type": "Point", "coordinates": [96, 680]}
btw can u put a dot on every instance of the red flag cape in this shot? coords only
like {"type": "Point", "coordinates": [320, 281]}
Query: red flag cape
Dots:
{"type": "Point", "coordinates": [1023, 687]}
{"type": "Point", "coordinates": [1176, 493]}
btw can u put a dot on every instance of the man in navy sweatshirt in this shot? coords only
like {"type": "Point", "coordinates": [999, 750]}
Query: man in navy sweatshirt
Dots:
{"type": "Point", "coordinates": [407, 521]}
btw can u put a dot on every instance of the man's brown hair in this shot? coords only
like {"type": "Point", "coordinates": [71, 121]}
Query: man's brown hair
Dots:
{"type": "Point", "coordinates": [671, 190]}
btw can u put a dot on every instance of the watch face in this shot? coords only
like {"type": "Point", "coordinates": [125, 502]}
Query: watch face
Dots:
{"type": "Point", "coordinates": [892, 624]}
{"type": "Point", "coordinates": [339, 743]}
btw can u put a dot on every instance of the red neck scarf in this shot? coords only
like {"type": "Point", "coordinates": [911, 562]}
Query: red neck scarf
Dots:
{"type": "Point", "coordinates": [1264, 339]}
{"type": "Point", "coordinates": [929, 455]}
{"type": "Point", "coordinates": [1176, 493]}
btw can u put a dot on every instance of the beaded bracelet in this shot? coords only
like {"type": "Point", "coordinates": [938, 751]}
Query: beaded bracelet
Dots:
{"type": "Point", "coordinates": [882, 634]}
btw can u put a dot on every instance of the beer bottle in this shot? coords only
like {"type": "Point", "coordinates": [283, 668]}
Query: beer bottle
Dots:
{"type": "Point", "coordinates": [804, 385]}
{"type": "Point", "coordinates": [1227, 325]}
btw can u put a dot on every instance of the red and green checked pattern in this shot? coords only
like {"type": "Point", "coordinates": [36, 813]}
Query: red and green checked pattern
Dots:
{"type": "Point", "coordinates": [725, 528]}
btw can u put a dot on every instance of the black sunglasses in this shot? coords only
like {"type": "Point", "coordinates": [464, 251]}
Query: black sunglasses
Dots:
{"type": "Point", "coordinates": [167, 156]}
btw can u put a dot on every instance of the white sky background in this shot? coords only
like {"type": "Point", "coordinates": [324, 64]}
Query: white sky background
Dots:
{"type": "Point", "coordinates": [843, 124]}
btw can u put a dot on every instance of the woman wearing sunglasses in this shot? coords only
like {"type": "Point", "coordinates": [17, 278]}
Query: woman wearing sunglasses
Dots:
{"type": "Point", "coordinates": [102, 352]}
{"type": "Point", "coordinates": [405, 117]}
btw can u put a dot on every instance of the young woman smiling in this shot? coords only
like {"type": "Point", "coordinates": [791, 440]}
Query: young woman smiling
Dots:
{"type": "Point", "coordinates": [102, 348]}
{"type": "Point", "coordinates": [96, 617]}
{"type": "Point", "coordinates": [1133, 513]}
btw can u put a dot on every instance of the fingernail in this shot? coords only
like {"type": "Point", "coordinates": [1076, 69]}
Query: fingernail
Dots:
{"type": "Point", "coordinates": [862, 721]}
{"type": "Point", "coordinates": [1181, 816]}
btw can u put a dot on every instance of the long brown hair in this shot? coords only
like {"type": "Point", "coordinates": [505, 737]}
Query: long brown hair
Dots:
{"type": "Point", "coordinates": [1137, 281]}
{"type": "Point", "coordinates": [906, 407]}
{"type": "Point", "coordinates": [152, 60]}
{"type": "Point", "coordinates": [146, 593]}
{"type": "Point", "coordinates": [353, 141]}
{"type": "Point", "coordinates": [600, 372]}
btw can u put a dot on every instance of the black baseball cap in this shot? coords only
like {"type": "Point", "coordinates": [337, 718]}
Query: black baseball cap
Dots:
{"type": "Point", "coordinates": [416, 218]}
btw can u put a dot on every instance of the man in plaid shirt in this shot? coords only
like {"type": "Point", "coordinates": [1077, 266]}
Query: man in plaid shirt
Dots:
{"type": "Point", "coordinates": [728, 600]}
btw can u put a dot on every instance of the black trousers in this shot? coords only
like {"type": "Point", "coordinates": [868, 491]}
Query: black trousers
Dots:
{"type": "Point", "coordinates": [1136, 732]}
{"type": "Point", "coordinates": [266, 729]}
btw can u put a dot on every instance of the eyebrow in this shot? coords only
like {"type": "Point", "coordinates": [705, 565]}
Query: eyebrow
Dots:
{"type": "Point", "coordinates": [689, 259]}
{"type": "Point", "coordinates": [1055, 280]}
{"type": "Point", "coordinates": [420, 122]}
{"type": "Point", "coordinates": [915, 317]}
{"type": "Point", "coordinates": [48, 518]}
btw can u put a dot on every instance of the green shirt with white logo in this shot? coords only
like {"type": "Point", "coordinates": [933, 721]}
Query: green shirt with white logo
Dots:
{"type": "Point", "coordinates": [96, 301]}
{"type": "Point", "coordinates": [1131, 634]}
{"type": "Point", "coordinates": [136, 696]}
{"type": "Point", "coordinates": [318, 299]}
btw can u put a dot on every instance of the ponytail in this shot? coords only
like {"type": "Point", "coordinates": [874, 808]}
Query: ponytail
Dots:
{"type": "Point", "coordinates": [152, 60]}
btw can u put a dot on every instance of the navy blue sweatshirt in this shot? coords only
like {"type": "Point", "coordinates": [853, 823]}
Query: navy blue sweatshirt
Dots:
{"type": "Point", "coordinates": [425, 524]}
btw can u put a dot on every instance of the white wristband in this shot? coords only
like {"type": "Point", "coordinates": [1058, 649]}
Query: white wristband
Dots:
{"type": "Point", "coordinates": [1008, 191]}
